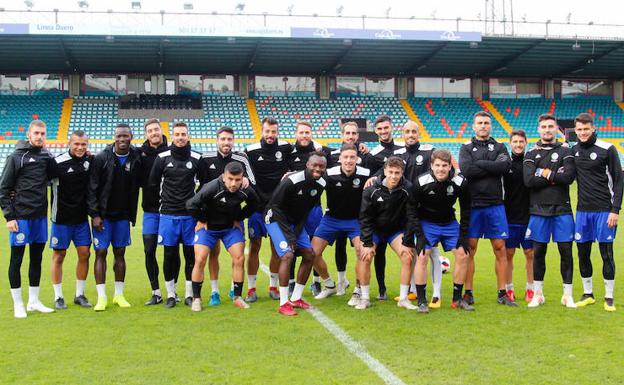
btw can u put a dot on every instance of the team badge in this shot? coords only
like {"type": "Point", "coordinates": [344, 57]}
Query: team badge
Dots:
{"type": "Point", "coordinates": [283, 245]}
{"type": "Point", "coordinates": [359, 160]}
{"type": "Point", "coordinates": [20, 237]}
{"type": "Point", "coordinates": [96, 241]}
{"type": "Point", "coordinates": [419, 159]}
{"type": "Point", "coordinates": [278, 155]}
{"type": "Point", "coordinates": [189, 165]}
{"type": "Point", "coordinates": [356, 182]}
{"type": "Point", "coordinates": [527, 234]}
{"type": "Point", "coordinates": [86, 165]}
{"type": "Point", "coordinates": [313, 192]}
{"type": "Point", "coordinates": [449, 190]}
{"type": "Point", "coordinates": [54, 240]}
{"type": "Point", "coordinates": [490, 147]}
{"type": "Point", "coordinates": [577, 236]}
{"type": "Point", "coordinates": [128, 166]}
{"type": "Point", "coordinates": [160, 238]}
{"type": "Point", "coordinates": [593, 156]}
{"type": "Point", "coordinates": [554, 156]}
{"type": "Point", "coordinates": [474, 149]}
{"type": "Point", "coordinates": [196, 238]}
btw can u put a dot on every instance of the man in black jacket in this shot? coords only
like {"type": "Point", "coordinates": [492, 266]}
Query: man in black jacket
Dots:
{"type": "Point", "coordinates": [70, 181]}
{"type": "Point", "coordinates": [549, 171]}
{"type": "Point", "coordinates": [155, 143]}
{"type": "Point", "coordinates": [600, 185]}
{"type": "Point", "coordinates": [24, 202]}
{"type": "Point", "coordinates": [484, 161]}
{"type": "Point", "coordinates": [112, 200]}
{"type": "Point", "coordinates": [176, 172]}
{"type": "Point", "coordinates": [217, 209]}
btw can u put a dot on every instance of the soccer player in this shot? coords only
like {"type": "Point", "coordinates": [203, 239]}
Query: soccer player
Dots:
{"type": "Point", "coordinates": [548, 173]}
{"type": "Point", "coordinates": [176, 171]}
{"type": "Point", "coordinates": [112, 200]}
{"type": "Point", "coordinates": [24, 202]}
{"type": "Point", "coordinates": [433, 196]}
{"type": "Point", "coordinates": [217, 209]}
{"type": "Point", "coordinates": [600, 184]}
{"type": "Point", "coordinates": [345, 184]}
{"type": "Point", "coordinates": [383, 219]}
{"type": "Point", "coordinates": [517, 210]}
{"type": "Point", "coordinates": [484, 161]}
{"type": "Point", "coordinates": [155, 143]}
{"type": "Point", "coordinates": [285, 216]}
{"type": "Point", "coordinates": [269, 163]}
{"type": "Point", "coordinates": [70, 180]}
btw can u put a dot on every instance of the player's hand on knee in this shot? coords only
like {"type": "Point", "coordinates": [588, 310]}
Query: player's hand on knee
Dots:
{"type": "Point", "coordinates": [237, 225]}
{"type": "Point", "coordinates": [12, 226]}
{"type": "Point", "coordinates": [407, 253]}
{"type": "Point", "coordinates": [97, 223]}
{"type": "Point", "coordinates": [612, 220]}
{"type": "Point", "coordinates": [201, 225]}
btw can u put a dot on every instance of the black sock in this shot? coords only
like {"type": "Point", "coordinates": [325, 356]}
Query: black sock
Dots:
{"type": "Point", "coordinates": [197, 286]}
{"type": "Point", "coordinates": [421, 292]}
{"type": "Point", "coordinates": [502, 293]}
{"type": "Point", "coordinates": [457, 291]}
{"type": "Point", "coordinates": [469, 292]}
{"type": "Point", "coordinates": [238, 289]}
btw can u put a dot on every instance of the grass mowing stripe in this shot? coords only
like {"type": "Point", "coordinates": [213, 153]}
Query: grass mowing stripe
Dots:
{"type": "Point", "coordinates": [352, 345]}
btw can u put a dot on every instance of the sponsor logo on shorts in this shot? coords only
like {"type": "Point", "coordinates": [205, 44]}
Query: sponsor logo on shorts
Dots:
{"type": "Point", "coordinates": [20, 237]}
{"type": "Point", "coordinates": [528, 233]}
{"type": "Point", "coordinates": [160, 238]}
{"type": "Point", "coordinates": [252, 232]}
{"type": "Point", "coordinates": [283, 245]}
{"type": "Point", "coordinates": [577, 236]}
{"type": "Point", "coordinates": [55, 241]}
{"type": "Point", "coordinates": [96, 241]}
{"type": "Point", "coordinates": [196, 238]}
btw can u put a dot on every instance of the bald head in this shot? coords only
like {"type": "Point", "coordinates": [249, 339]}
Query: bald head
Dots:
{"type": "Point", "coordinates": [411, 135]}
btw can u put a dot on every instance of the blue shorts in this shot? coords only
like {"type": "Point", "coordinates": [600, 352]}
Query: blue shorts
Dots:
{"type": "Point", "coordinates": [488, 222]}
{"type": "Point", "coordinates": [256, 226]}
{"type": "Point", "coordinates": [62, 235]}
{"type": "Point", "coordinates": [331, 228]}
{"type": "Point", "coordinates": [314, 219]}
{"type": "Point", "coordinates": [561, 227]}
{"type": "Point", "coordinates": [592, 226]}
{"type": "Point", "coordinates": [210, 238]}
{"type": "Point", "coordinates": [517, 238]}
{"type": "Point", "coordinates": [176, 229]}
{"type": "Point", "coordinates": [150, 223]}
{"type": "Point", "coordinates": [445, 233]}
{"type": "Point", "coordinates": [281, 244]}
{"type": "Point", "coordinates": [30, 231]}
{"type": "Point", "coordinates": [380, 238]}
{"type": "Point", "coordinates": [116, 233]}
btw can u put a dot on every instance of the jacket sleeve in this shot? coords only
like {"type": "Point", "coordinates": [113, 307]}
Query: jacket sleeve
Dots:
{"type": "Point", "coordinates": [155, 174]}
{"type": "Point", "coordinates": [464, 216]}
{"type": "Point", "coordinates": [615, 170]}
{"type": "Point", "coordinates": [528, 171]}
{"type": "Point", "coordinates": [251, 205]}
{"type": "Point", "coordinates": [467, 166]}
{"type": "Point", "coordinates": [7, 184]}
{"type": "Point", "coordinates": [93, 191]}
{"type": "Point", "coordinates": [196, 206]}
{"type": "Point", "coordinates": [242, 157]}
{"type": "Point", "coordinates": [565, 174]}
{"type": "Point", "coordinates": [367, 218]}
{"type": "Point", "coordinates": [500, 166]}
{"type": "Point", "coordinates": [413, 227]}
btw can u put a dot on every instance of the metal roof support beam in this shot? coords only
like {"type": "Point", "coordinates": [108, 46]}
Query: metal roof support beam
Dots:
{"type": "Point", "coordinates": [70, 63]}
{"type": "Point", "coordinates": [335, 66]}
{"type": "Point", "coordinates": [580, 65]}
{"type": "Point", "coordinates": [252, 57]}
{"type": "Point", "coordinates": [501, 65]}
{"type": "Point", "coordinates": [428, 57]}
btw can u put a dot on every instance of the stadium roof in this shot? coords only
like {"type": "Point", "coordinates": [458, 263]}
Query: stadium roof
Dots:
{"type": "Point", "coordinates": [492, 57]}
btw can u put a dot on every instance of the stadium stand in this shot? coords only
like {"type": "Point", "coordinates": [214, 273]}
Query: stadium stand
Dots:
{"type": "Point", "coordinates": [522, 113]}
{"type": "Point", "coordinates": [608, 116]}
{"type": "Point", "coordinates": [168, 102]}
{"type": "Point", "coordinates": [17, 111]}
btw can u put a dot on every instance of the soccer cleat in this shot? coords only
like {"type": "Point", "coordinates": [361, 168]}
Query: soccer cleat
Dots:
{"type": "Point", "coordinates": [469, 298]}
{"type": "Point", "coordinates": [412, 296]}
{"type": "Point", "coordinates": [301, 304]}
{"type": "Point", "coordinates": [121, 301]}
{"type": "Point", "coordinates": [315, 288]}
{"type": "Point", "coordinates": [537, 300]}
{"type": "Point", "coordinates": [59, 304]}
{"type": "Point", "coordinates": [586, 299]}
{"type": "Point", "coordinates": [19, 311]}
{"type": "Point", "coordinates": [81, 300]}
{"type": "Point", "coordinates": [252, 296]}
{"type": "Point", "coordinates": [101, 304]}
{"type": "Point", "coordinates": [171, 302]}
{"type": "Point", "coordinates": [435, 303]}
{"type": "Point", "coordinates": [504, 300]}
{"type": "Point", "coordinates": [188, 301]}
{"type": "Point", "coordinates": [422, 308]}
{"type": "Point", "coordinates": [461, 304]}
{"type": "Point", "coordinates": [528, 295]}
{"type": "Point", "coordinates": [354, 300]}
{"type": "Point", "coordinates": [240, 303]}
{"type": "Point", "coordinates": [215, 299]}
{"type": "Point", "coordinates": [231, 294]}
{"type": "Point", "coordinates": [196, 305]}
{"type": "Point", "coordinates": [342, 287]}
{"type": "Point", "coordinates": [177, 299]}
{"type": "Point", "coordinates": [609, 305]}
{"type": "Point", "coordinates": [155, 300]}
{"type": "Point", "coordinates": [382, 296]}
{"type": "Point", "coordinates": [38, 306]}
{"type": "Point", "coordinates": [363, 303]}
{"type": "Point", "coordinates": [274, 293]}
{"type": "Point", "coordinates": [291, 288]}
{"type": "Point", "coordinates": [406, 304]}
{"type": "Point", "coordinates": [568, 301]}
{"type": "Point", "coordinates": [287, 310]}
{"type": "Point", "coordinates": [326, 292]}
{"type": "Point", "coordinates": [512, 295]}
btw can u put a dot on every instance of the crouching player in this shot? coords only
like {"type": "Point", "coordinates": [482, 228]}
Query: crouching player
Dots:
{"type": "Point", "coordinates": [432, 218]}
{"type": "Point", "coordinates": [217, 209]}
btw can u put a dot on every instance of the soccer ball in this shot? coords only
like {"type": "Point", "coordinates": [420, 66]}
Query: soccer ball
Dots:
{"type": "Point", "coordinates": [446, 264]}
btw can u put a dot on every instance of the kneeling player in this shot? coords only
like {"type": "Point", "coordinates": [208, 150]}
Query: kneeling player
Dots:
{"type": "Point", "coordinates": [217, 209]}
{"type": "Point", "coordinates": [433, 198]}
{"type": "Point", "coordinates": [383, 219]}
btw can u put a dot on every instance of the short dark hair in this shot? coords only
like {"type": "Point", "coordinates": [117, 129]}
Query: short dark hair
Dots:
{"type": "Point", "coordinates": [347, 147]}
{"type": "Point", "coordinates": [124, 125]}
{"type": "Point", "coordinates": [234, 168]}
{"type": "Point", "coordinates": [584, 118]}
{"type": "Point", "coordinates": [482, 113]}
{"type": "Point", "coordinates": [443, 155]}
{"type": "Point", "coordinates": [227, 129]}
{"type": "Point", "coordinates": [317, 153]}
{"type": "Point", "coordinates": [383, 118]}
{"type": "Point", "coordinates": [543, 117]}
{"type": "Point", "coordinates": [395, 161]}
{"type": "Point", "coordinates": [150, 121]}
{"type": "Point", "coordinates": [180, 124]}
{"type": "Point", "coordinates": [304, 123]}
{"type": "Point", "coordinates": [518, 133]}
{"type": "Point", "coordinates": [271, 121]}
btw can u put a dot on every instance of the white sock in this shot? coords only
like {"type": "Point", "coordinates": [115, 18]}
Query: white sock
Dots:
{"type": "Point", "coordinates": [170, 286]}
{"type": "Point", "coordinates": [316, 278]}
{"type": "Point", "coordinates": [298, 292]}
{"type": "Point", "coordinates": [283, 294]}
{"type": "Point", "coordinates": [436, 272]}
{"type": "Point", "coordinates": [274, 280]}
{"type": "Point", "coordinates": [403, 291]}
{"type": "Point", "coordinates": [609, 285]}
{"type": "Point", "coordinates": [342, 276]}
{"type": "Point", "coordinates": [292, 280]}
{"type": "Point", "coordinates": [214, 284]}
{"type": "Point", "coordinates": [119, 286]}
{"type": "Point", "coordinates": [157, 292]}
{"type": "Point", "coordinates": [188, 292]}
{"type": "Point", "coordinates": [588, 285]}
{"type": "Point", "coordinates": [80, 287]}
{"type": "Point", "coordinates": [101, 290]}
{"type": "Point", "coordinates": [412, 288]}
{"type": "Point", "coordinates": [33, 294]}
{"type": "Point", "coordinates": [539, 287]}
{"type": "Point", "coordinates": [231, 285]}
{"type": "Point", "coordinates": [365, 291]}
{"type": "Point", "coordinates": [357, 289]}
{"type": "Point", "coordinates": [329, 282]}
{"type": "Point", "coordinates": [251, 281]}
{"type": "Point", "coordinates": [17, 296]}
{"type": "Point", "coordinates": [58, 290]}
{"type": "Point", "coordinates": [509, 286]}
{"type": "Point", "coordinates": [567, 289]}
{"type": "Point", "coordinates": [529, 286]}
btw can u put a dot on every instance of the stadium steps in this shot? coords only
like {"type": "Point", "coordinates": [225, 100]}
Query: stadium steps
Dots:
{"type": "Point", "coordinates": [620, 104]}
{"type": "Point", "coordinates": [66, 111]}
{"type": "Point", "coordinates": [424, 134]}
{"type": "Point", "coordinates": [253, 117]}
{"type": "Point", "coordinates": [488, 106]}
{"type": "Point", "coordinates": [165, 128]}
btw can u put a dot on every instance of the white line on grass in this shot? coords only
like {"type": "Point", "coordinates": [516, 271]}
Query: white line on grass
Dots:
{"type": "Point", "coordinates": [352, 345]}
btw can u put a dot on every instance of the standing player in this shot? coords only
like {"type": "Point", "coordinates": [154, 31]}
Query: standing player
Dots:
{"type": "Point", "coordinates": [112, 200]}
{"type": "Point", "coordinates": [70, 180]}
{"type": "Point", "coordinates": [176, 171]}
{"type": "Point", "coordinates": [383, 219]}
{"type": "Point", "coordinates": [517, 210]}
{"type": "Point", "coordinates": [433, 196]}
{"type": "Point", "coordinates": [548, 172]}
{"type": "Point", "coordinates": [269, 163]}
{"type": "Point", "coordinates": [213, 166]}
{"type": "Point", "coordinates": [155, 143]}
{"type": "Point", "coordinates": [217, 209]}
{"type": "Point", "coordinates": [600, 184]}
{"type": "Point", "coordinates": [484, 161]}
{"type": "Point", "coordinates": [24, 202]}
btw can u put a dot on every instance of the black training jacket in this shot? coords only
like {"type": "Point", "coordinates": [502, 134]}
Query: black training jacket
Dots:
{"type": "Point", "coordinates": [417, 158]}
{"type": "Point", "coordinates": [381, 153]}
{"type": "Point", "coordinates": [151, 196]}
{"type": "Point", "coordinates": [363, 160]}
{"type": "Point", "coordinates": [213, 164]}
{"type": "Point", "coordinates": [269, 163]}
{"type": "Point", "coordinates": [298, 157]}
{"type": "Point", "coordinates": [516, 193]}
{"type": "Point", "coordinates": [344, 193]}
{"type": "Point", "coordinates": [70, 182]}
